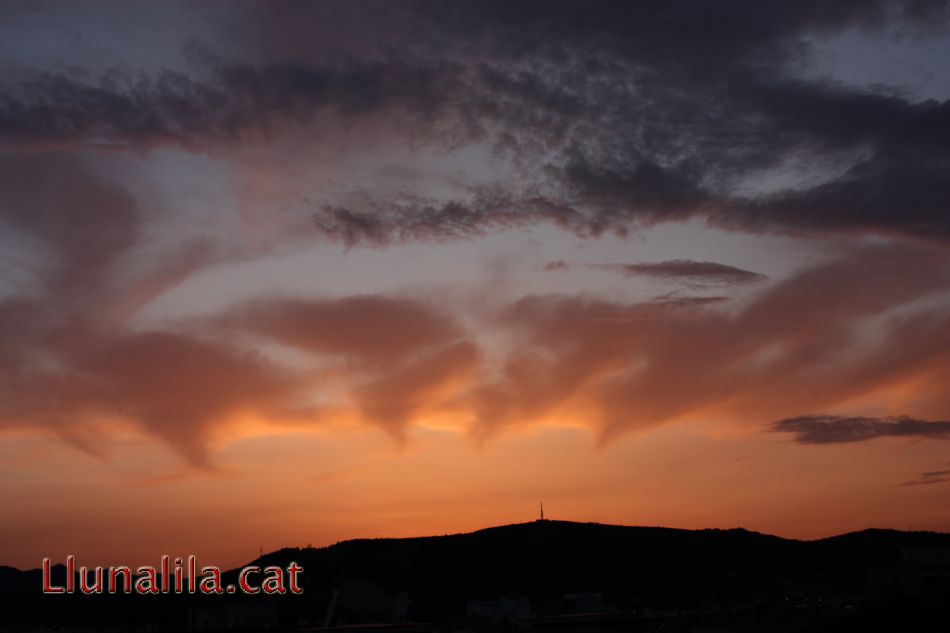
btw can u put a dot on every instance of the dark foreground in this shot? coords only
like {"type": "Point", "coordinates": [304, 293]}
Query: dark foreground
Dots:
{"type": "Point", "coordinates": [549, 576]}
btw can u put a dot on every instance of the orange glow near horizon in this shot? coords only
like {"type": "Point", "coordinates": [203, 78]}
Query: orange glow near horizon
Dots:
{"type": "Point", "coordinates": [295, 489]}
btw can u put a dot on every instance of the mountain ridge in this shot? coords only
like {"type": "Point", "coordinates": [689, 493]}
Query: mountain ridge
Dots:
{"type": "Point", "coordinates": [645, 529]}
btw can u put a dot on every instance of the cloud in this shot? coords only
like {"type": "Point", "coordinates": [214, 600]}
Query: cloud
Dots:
{"type": "Point", "coordinates": [623, 367]}
{"type": "Point", "coordinates": [424, 386]}
{"type": "Point", "coordinates": [556, 265]}
{"type": "Point", "coordinates": [395, 362]}
{"type": "Point", "coordinates": [834, 429]}
{"type": "Point", "coordinates": [600, 124]}
{"type": "Point", "coordinates": [385, 222]}
{"type": "Point", "coordinates": [396, 358]}
{"type": "Point", "coordinates": [690, 271]}
{"type": "Point", "coordinates": [589, 120]}
{"type": "Point", "coordinates": [930, 478]}
{"type": "Point", "coordinates": [180, 388]}
{"type": "Point", "coordinates": [175, 387]}
{"type": "Point", "coordinates": [871, 194]}
{"type": "Point", "coordinates": [231, 101]}
{"type": "Point", "coordinates": [71, 363]}
{"type": "Point", "coordinates": [617, 137]}
{"type": "Point", "coordinates": [673, 300]}
{"type": "Point", "coordinates": [388, 360]}
{"type": "Point", "coordinates": [369, 329]}
{"type": "Point", "coordinates": [85, 222]}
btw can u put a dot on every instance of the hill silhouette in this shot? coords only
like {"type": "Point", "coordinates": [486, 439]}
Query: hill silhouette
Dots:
{"type": "Point", "coordinates": [645, 572]}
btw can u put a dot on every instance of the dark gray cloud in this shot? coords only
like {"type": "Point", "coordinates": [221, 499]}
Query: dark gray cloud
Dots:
{"type": "Point", "coordinates": [615, 115]}
{"type": "Point", "coordinates": [834, 429]}
{"type": "Point", "coordinates": [929, 478]}
{"type": "Point", "coordinates": [689, 271]}
{"type": "Point", "coordinates": [887, 196]}
{"type": "Point", "coordinates": [383, 222]}
{"type": "Point", "coordinates": [223, 104]}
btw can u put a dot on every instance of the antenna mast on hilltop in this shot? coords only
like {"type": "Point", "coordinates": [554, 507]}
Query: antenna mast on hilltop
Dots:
{"type": "Point", "coordinates": [542, 511]}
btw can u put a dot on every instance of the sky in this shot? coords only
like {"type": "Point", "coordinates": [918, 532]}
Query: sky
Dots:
{"type": "Point", "coordinates": [282, 274]}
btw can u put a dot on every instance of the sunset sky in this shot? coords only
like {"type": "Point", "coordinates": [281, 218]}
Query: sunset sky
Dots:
{"type": "Point", "coordinates": [278, 274]}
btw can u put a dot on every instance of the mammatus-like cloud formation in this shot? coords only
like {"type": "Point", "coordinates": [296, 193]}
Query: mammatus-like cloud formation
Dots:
{"type": "Point", "coordinates": [394, 362]}
{"type": "Point", "coordinates": [833, 429]}
{"type": "Point", "coordinates": [68, 361]}
{"type": "Point", "coordinates": [794, 342]}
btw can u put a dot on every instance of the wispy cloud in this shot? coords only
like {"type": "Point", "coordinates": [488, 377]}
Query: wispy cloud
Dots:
{"type": "Point", "coordinates": [930, 478]}
{"type": "Point", "coordinates": [688, 271]}
{"type": "Point", "coordinates": [834, 429]}
{"type": "Point", "coordinates": [556, 265]}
